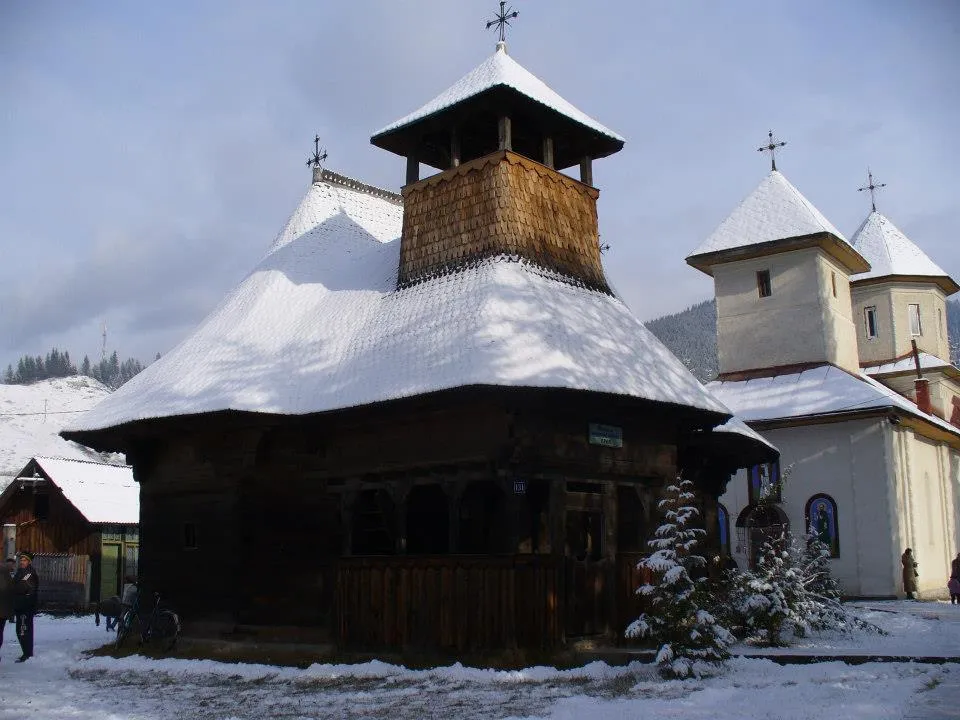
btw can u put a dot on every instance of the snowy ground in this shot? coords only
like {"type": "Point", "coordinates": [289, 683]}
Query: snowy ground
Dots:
{"type": "Point", "coordinates": [60, 682]}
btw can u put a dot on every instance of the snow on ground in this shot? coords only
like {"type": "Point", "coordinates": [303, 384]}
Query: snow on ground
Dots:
{"type": "Point", "coordinates": [60, 682]}
{"type": "Point", "coordinates": [32, 415]}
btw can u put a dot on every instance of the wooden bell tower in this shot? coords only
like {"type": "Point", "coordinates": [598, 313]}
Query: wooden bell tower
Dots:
{"type": "Point", "coordinates": [499, 138]}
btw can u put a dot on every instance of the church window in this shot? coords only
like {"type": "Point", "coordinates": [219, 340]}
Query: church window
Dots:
{"type": "Point", "coordinates": [822, 522]}
{"type": "Point", "coordinates": [913, 311]}
{"type": "Point", "coordinates": [763, 283]}
{"type": "Point", "coordinates": [723, 525]}
{"type": "Point", "coordinates": [833, 282]}
{"type": "Point", "coordinates": [41, 506]}
{"type": "Point", "coordinates": [189, 536]}
{"type": "Point", "coordinates": [870, 321]}
{"type": "Point", "coordinates": [764, 483]}
{"type": "Point", "coordinates": [939, 323]}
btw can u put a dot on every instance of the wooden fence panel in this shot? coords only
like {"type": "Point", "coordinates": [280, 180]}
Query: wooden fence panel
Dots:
{"type": "Point", "coordinates": [629, 604]}
{"type": "Point", "coordinates": [64, 581]}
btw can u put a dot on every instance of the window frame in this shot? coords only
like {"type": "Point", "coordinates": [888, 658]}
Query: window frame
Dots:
{"type": "Point", "coordinates": [910, 319]}
{"type": "Point", "coordinates": [870, 314]}
{"type": "Point", "coordinates": [764, 284]}
{"type": "Point", "coordinates": [833, 282]}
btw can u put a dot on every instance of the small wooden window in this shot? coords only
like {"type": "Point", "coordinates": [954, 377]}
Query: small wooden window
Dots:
{"type": "Point", "coordinates": [870, 321]}
{"type": "Point", "coordinates": [189, 536]}
{"type": "Point", "coordinates": [41, 506]}
{"type": "Point", "coordinates": [913, 312]}
{"type": "Point", "coordinates": [763, 283]}
{"type": "Point", "coordinates": [833, 283]}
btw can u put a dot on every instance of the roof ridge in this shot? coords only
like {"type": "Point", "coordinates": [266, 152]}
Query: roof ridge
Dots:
{"type": "Point", "coordinates": [77, 460]}
{"type": "Point", "coordinates": [333, 178]}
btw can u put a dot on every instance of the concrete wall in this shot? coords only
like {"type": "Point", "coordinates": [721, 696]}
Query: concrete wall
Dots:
{"type": "Point", "coordinates": [801, 321]}
{"type": "Point", "coordinates": [893, 490]}
{"type": "Point", "coordinates": [926, 506]}
{"type": "Point", "coordinates": [891, 300]}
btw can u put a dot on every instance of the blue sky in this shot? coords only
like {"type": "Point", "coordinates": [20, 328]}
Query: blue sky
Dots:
{"type": "Point", "coordinates": [149, 152]}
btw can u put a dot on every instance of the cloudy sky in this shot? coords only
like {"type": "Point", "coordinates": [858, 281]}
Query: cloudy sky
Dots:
{"type": "Point", "coordinates": [150, 151]}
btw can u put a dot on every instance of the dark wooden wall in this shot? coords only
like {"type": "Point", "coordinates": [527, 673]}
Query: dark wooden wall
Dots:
{"type": "Point", "coordinates": [270, 503]}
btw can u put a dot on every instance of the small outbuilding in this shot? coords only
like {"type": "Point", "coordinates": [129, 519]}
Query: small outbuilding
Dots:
{"type": "Point", "coordinates": [82, 520]}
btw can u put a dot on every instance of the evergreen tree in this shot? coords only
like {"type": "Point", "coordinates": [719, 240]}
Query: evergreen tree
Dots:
{"type": "Point", "coordinates": [85, 366]}
{"type": "Point", "coordinates": [8, 378]}
{"type": "Point", "coordinates": [691, 640]}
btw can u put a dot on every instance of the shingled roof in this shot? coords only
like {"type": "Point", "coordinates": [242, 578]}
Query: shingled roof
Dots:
{"type": "Point", "coordinates": [775, 211]}
{"type": "Point", "coordinates": [893, 254]}
{"type": "Point", "coordinates": [319, 325]}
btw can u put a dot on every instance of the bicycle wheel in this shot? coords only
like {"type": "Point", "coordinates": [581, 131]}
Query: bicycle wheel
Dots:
{"type": "Point", "coordinates": [124, 626]}
{"type": "Point", "coordinates": [166, 629]}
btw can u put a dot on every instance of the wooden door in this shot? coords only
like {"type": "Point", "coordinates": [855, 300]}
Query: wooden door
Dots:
{"type": "Point", "coordinates": [109, 571]}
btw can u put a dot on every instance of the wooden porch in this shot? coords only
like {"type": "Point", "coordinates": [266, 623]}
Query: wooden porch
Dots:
{"type": "Point", "coordinates": [468, 603]}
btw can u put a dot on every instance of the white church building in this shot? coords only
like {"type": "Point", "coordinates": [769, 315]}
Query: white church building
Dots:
{"type": "Point", "coordinates": [837, 353]}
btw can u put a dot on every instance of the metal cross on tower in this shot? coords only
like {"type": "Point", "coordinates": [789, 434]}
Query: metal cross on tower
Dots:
{"type": "Point", "coordinates": [319, 154]}
{"type": "Point", "coordinates": [771, 147]}
{"type": "Point", "coordinates": [502, 20]}
{"type": "Point", "coordinates": [872, 187]}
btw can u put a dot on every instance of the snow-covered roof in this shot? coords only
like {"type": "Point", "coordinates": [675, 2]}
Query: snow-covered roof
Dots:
{"type": "Point", "coordinates": [821, 391]}
{"type": "Point", "coordinates": [500, 70]}
{"type": "Point", "coordinates": [102, 493]}
{"type": "Point", "coordinates": [736, 426]}
{"type": "Point", "coordinates": [906, 364]}
{"type": "Point", "coordinates": [32, 415]}
{"type": "Point", "coordinates": [890, 252]}
{"type": "Point", "coordinates": [319, 325]}
{"type": "Point", "coordinates": [775, 210]}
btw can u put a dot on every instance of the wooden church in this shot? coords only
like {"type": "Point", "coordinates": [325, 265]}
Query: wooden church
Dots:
{"type": "Point", "coordinates": [424, 420]}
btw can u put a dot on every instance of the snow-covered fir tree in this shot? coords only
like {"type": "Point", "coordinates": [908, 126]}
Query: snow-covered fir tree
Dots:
{"type": "Point", "coordinates": [690, 638]}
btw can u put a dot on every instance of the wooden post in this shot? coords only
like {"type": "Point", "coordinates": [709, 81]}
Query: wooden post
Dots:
{"type": "Point", "coordinates": [505, 133]}
{"type": "Point", "coordinates": [413, 168]}
{"type": "Point", "coordinates": [454, 148]}
{"type": "Point", "coordinates": [548, 152]}
{"type": "Point", "coordinates": [586, 171]}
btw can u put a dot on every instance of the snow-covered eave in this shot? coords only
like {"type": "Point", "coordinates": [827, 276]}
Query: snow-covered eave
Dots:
{"type": "Point", "coordinates": [115, 437]}
{"type": "Point", "coordinates": [834, 246]}
{"type": "Point", "coordinates": [928, 426]}
{"type": "Point", "coordinates": [944, 282]}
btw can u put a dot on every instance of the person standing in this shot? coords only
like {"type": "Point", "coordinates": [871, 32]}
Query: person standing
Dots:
{"type": "Point", "coordinates": [953, 585]}
{"type": "Point", "coordinates": [910, 574]}
{"type": "Point", "coordinates": [6, 600]}
{"type": "Point", "coordinates": [26, 583]}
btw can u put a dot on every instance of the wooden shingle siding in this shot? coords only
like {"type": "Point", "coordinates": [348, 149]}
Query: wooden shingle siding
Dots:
{"type": "Point", "coordinates": [501, 204]}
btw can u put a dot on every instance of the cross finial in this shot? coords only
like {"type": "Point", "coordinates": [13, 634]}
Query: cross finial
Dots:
{"type": "Point", "coordinates": [771, 147]}
{"type": "Point", "coordinates": [502, 20]}
{"type": "Point", "coordinates": [872, 187]}
{"type": "Point", "coordinates": [319, 154]}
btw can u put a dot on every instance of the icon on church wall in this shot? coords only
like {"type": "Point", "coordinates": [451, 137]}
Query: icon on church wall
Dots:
{"type": "Point", "coordinates": [822, 523]}
{"type": "Point", "coordinates": [765, 483]}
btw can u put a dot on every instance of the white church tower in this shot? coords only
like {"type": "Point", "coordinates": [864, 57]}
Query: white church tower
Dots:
{"type": "Point", "coordinates": [781, 275]}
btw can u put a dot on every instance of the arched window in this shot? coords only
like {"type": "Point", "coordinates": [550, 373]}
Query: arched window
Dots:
{"type": "Point", "coordinates": [428, 521]}
{"type": "Point", "coordinates": [723, 525]}
{"type": "Point", "coordinates": [482, 519]}
{"type": "Point", "coordinates": [822, 521]}
{"type": "Point", "coordinates": [374, 526]}
{"type": "Point", "coordinates": [757, 524]}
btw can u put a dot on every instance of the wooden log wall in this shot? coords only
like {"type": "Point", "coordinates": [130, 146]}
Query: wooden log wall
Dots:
{"type": "Point", "coordinates": [64, 530]}
{"type": "Point", "coordinates": [501, 204]}
{"type": "Point", "coordinates": [461, 603]}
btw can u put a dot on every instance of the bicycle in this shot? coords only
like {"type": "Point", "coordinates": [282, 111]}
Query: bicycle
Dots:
{"type": "Point", "coordinates": [161, 625]}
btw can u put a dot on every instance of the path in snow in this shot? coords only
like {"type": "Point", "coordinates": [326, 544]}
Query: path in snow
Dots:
{"type": "Point", "coordinates": [59, 683]}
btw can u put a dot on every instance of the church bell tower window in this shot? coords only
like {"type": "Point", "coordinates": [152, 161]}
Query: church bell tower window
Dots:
{"type": "Point", "coordinates": [870, 321]}
{"type": "Point", "coordinates": [763, 283]}
{"type": "Point", "coordinates": [913, 311]}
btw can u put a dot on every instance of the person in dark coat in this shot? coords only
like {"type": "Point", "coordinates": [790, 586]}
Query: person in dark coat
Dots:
{"type": "Point", "coordinates": [953, 584]}
{"type": "Point", "coordinates": [26, 583]}
{"type": "Point", "coordinates": [910, 574]}
{"type": "Point", "coordinates": [6, 601]}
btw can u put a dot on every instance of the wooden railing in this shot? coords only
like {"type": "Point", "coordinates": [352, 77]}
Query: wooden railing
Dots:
{"type": "Point", "coordinates": [462, 603]}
